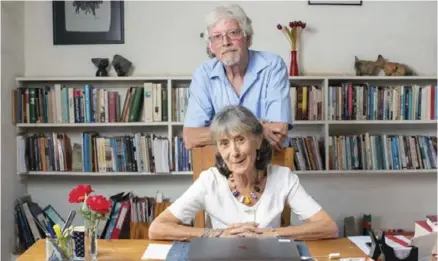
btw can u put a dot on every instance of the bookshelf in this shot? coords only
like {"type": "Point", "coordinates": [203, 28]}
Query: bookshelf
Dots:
{"type": "Point", "coordinates": [323, 125]}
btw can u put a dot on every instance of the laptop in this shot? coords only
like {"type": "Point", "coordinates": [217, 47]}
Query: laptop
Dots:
{"type": "Point", "coordinates": [238, 249]}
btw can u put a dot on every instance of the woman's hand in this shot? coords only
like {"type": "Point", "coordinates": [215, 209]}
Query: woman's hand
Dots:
{"type": "Point", "coordinates": [247, 229]}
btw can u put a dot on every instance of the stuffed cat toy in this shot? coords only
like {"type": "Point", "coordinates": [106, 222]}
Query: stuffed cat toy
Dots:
{"type": "Point", "coordinates": [393, 68]}
{"type": "Point", "coordinates": [373, 68]}
{"type": "Point", "coordinates": [366, 68]}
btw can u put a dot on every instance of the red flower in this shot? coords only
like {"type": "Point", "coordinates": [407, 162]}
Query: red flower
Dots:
{"type": "Point", "coordinates": [99, 204]}
{"type": "Point", "coordinates": [279, 27]}
{"type": "Point", "coordinates": [78, 194]}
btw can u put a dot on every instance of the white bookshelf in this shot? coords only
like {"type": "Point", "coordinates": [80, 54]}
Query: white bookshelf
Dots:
{"type": "Point", "coordinates": [322, 128]}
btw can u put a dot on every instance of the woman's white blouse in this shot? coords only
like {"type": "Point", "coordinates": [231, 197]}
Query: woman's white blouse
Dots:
{"type": "Point", "coordinates": [210, 192]}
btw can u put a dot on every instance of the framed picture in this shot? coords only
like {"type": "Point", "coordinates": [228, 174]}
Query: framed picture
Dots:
{"type": "Point", "coordinates": [88, 22]}
{"type": "Point", "coordinates": [334, 2]}
{"type": "Point", "coordinates": [53, 215]}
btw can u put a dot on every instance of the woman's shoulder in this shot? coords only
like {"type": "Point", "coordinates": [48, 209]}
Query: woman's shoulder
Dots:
{"type": "Point", "coordinates": [282, 173]}
{"type": "Point", "coordinates": [211, 175]}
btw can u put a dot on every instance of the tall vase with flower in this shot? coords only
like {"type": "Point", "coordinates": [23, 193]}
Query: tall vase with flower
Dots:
{"type": "Point", "coordinates": [293, 34]}
{"type": "Point", "coordinates": [94, 208]}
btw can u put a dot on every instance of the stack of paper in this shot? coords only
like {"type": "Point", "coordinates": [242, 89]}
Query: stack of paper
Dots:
{"type": "Point", "coordinates": [156, 251]}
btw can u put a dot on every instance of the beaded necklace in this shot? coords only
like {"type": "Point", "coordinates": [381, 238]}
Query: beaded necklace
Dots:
{"type": "Point", "coordinates": [245, 199]}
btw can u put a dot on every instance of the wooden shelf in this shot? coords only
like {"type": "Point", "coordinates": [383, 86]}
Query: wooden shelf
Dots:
{"type": "Point", "coordinates": [381, 122]}
{"type": "Point", "coordinates": [325, 128]}
{"type": "Point", "coordinates": [103, 174]}
{"type": "Point", "coordinates": [190, 173]}
{"type": "Point", "coordinates": [79, 125]}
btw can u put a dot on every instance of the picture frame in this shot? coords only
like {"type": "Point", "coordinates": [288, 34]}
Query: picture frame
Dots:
{"type": "Point", "coordinates": [334, 2]}
{"type": "Point", "coordinates": [53, 215]}
{"type": "Point", "coordinates": [88, 22]}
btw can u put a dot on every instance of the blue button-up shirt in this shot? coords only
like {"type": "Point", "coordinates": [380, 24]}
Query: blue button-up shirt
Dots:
{"type": "Point", "coordinates": [265, 90]}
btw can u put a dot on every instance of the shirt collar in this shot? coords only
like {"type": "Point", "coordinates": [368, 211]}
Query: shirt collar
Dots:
{"type": "Point", "coordinates": [256, 63]}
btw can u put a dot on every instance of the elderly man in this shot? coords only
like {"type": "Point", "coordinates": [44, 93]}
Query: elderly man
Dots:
{"type": "Point", "coordinates": [237, 76]}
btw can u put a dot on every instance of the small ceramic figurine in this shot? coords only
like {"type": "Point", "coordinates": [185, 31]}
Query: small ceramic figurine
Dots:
{"type": "Point", "coordinates": [373, 68]}
{"type": "Point", "coordinates": [393, 68]}
{"type": "Point", "coordinates": [101, 64]}
{"type": "Point", "coordinates": [121, 65]}
{"type": "Point", "coordinates": [365, 68]}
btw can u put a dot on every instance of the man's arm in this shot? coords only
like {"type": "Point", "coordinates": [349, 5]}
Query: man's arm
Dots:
{"type": "Point", "coordinates": [199, 112]}
{"type": "Point", "coordinates": [278, 116]}
{"type": "Point", "coordinates": [195, 137]}
{"type": "Point", "coordinates": [275, 132]}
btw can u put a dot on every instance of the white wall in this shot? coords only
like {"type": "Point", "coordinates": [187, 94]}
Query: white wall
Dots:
{"type": "Point", "coordinates": [163, 38]}
{"type": "Point", "coordinates": [12, 65]}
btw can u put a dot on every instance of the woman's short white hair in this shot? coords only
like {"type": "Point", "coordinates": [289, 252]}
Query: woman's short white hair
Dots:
{"type": "Point", "coordinates": [230, 12]}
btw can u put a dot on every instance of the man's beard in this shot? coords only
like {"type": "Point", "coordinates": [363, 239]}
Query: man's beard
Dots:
{"type": "Point", "coordinates": [230, 58]}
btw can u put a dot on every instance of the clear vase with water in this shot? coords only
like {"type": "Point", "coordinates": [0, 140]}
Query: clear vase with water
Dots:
{"type": "Point", "coordinates": [91, 242]}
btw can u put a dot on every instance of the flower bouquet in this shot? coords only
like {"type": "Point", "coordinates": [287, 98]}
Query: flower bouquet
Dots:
{"type": "Point", "coordinates": [293, 34]}
{"type": "Point", "coordinates": [94, 208]}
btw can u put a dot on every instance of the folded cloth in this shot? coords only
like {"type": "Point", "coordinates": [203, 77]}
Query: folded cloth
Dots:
{"type": "Point", "coordinates": [179, 251]}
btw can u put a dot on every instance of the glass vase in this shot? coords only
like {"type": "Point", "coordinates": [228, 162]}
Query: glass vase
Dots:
{"type": "Point", "coordinates": [293, 69]}
{"type": "Point", "coordinates": [91, 236]}
{"type": "Point", "coordinates": [59, 250]}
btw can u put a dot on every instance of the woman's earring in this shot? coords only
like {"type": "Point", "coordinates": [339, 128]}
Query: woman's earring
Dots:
{"type": "Point", "coordinates": [258, 154]}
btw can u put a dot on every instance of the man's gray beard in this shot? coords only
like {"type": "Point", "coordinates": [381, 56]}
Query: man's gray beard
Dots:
{"type": "Point", "coordinates": [231, 59]}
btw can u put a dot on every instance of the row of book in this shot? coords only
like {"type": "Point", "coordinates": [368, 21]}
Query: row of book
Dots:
{"type": "Point", "coordinates": [138, 152]}
{"type": "Point", "coordinates": [128, 153]}
{"type": "Point", "coordinates": [127, 210]}
{"type": "Point", "coordinates": [88, 104]}
{"type": "Point", "coordinates": [180, 99]}
{"type": "Point", "coordinates": [382, 152]}
{"type": "Point", "coordinates": [307, 103]}
{"type": "Point", "coordinates": [375, 102]}
{"type": "Point", "coordinates": [32, 222]}
{"type": "Point", "coordinates": [131, 215]}
{"type": "Point", "coordinates": [309, 152]}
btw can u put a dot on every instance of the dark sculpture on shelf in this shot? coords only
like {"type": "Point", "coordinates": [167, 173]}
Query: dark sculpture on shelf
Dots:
{"type": "Point", "coordinates": [102, 65]}
{"type": "Point", "coordinates": [379, 250]}
{"type": "Point", "coordinates": [121, 65]}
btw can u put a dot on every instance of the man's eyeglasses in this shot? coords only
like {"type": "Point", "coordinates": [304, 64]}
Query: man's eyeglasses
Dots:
{"type": "Point", "coordinates": [235, 34]}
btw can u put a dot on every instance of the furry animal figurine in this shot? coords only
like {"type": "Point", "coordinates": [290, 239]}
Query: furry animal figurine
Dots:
{"type": "Point", "coordinates": [393, 68]}
{"type": "Point", "coordinates": [366, 68]}
{"type": "Point", "coordinates": [373, 68]}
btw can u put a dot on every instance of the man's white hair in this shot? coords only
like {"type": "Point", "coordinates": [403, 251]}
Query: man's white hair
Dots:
{"type": "Point", "coordinates": [230, 12]}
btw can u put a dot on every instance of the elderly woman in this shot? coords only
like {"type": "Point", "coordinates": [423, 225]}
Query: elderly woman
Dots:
{"type": "Point", "coordinates": [244, 194]}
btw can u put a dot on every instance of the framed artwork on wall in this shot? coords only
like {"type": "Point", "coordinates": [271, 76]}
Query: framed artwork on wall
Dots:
{"type": "Point", "coordinates": [88, 22]}
{"type": "Point", "coordinates": [334, 2]}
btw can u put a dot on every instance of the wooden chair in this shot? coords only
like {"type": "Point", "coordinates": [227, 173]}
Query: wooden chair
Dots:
{"type": "Point", "coordinates": [204, 158]}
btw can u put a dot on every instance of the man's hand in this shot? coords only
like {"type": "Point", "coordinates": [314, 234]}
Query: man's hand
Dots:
{"type": "Point", "coordinates": [275, 133]}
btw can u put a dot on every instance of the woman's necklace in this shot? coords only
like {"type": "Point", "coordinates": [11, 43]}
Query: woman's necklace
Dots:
{"type": "Point", "coordinates": [245, 199]}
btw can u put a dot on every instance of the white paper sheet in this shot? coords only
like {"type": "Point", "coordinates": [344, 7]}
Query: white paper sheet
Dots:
{"type": "Point", "coordinates": [156, 251]}
{"type": "Point", "coordinates": [361, 242]}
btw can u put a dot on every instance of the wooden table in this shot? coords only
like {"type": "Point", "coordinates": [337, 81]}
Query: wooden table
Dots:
{"type": "Point", "coordinates": [132, 250]}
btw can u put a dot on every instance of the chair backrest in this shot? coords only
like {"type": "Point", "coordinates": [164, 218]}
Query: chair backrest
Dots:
{"type": "Point", "coordinates": [204, 158]}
